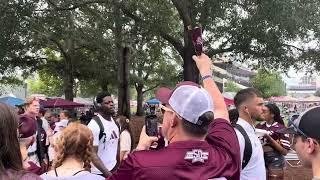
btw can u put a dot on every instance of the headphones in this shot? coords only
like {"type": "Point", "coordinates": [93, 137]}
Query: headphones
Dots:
{"type": "Point", "coordinates": [96, 104]}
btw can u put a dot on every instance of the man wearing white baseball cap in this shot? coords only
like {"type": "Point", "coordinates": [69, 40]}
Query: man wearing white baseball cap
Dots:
{"type": "Point", "coordinates": [202, 143]}
{"type": "Point", "coordinates": [306, 139]}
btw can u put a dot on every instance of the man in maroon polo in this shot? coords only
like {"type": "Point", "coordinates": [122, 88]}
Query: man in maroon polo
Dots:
{"type": "Point", "coordinates": [199, 147]}
{"type": "Point", "coordinates": [36, 151]}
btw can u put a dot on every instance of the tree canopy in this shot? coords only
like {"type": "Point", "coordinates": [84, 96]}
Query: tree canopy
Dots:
{"type": "Point", "coordinates": [231, 86]}
{"type": "Point", "coordinates": [79, 42]}
{"type": "Point", "coordinates": [269, 83]}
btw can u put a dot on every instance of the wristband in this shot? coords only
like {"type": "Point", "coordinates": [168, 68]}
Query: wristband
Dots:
{"type": "Point", "coordinates": [206, 77]}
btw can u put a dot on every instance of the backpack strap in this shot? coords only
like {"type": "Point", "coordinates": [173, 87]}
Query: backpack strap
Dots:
{"type": "Point", "coordinates": [247, 146]}
{"type": "Point", "coordinates": [101, 127]}
{"type": "Point", "coordinates": [40, 151]}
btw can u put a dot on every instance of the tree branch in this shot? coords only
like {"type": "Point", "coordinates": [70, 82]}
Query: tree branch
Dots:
{"type": "Point", "coordinates": [60, 47]}
{"type": "Point", "coordinates": [72, 7]}
{"type": "Point", "coordinates": [148, 72]}
{"type": "Point", "coordinates": [183, 11]}
{"type": "Point", "coordinates": [204, 14]}
{"type": "Point", "coordinates": [292, 46]}
{"type": "Point", "coordinates": [136, 85]}
{"type": "Point", "coordinates": [153, 87]}
{"type": "Point", "coordinates": [173, 41]}
{"type": "Point", "coordinates": [212, 52]}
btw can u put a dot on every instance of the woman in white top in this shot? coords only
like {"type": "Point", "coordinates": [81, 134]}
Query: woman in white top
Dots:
{"type": "Point", "coordinates": [73, 149]}
{"type": "Point", "coordinates": [126, 141]}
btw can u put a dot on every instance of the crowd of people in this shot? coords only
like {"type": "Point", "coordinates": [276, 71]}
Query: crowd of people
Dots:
{"type": "Point", "coordinates": [200, 139]}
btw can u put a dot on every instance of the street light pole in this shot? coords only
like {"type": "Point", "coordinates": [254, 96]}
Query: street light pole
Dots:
{"type": "Point", "coordinates": [25, 86]}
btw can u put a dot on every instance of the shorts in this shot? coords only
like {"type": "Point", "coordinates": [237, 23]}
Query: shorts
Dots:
{"type": "Point", "coordinates": [274, 160]}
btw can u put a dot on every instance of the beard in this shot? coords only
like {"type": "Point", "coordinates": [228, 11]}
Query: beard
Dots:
{"type": "Point", "coordinates": [110, 112]}
{"type": "Point", "coordinates": [257, 117]}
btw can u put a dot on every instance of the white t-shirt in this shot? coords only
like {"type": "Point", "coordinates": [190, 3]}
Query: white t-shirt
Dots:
{"type": "Point", "coordinates": [51, 151]}
{"type": "Point", "coordinates": [45, 126]}
{"type": "Point", "coordinates": [255, 169]}
{"type": "Point", "coordinates": [107, 149]}
{"type": "Point", "coordinates": [125, 142]}
{"type": "Point", "coordinates": [32, 149]}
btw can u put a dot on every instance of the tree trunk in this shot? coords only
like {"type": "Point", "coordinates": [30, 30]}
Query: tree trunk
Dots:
{"type": "Point", "coordinates": [123, 90]}
{"type": "Point", "coordinates": [122, 55]}
{"type": "Point", "coordinates": [139, 90]}
{"type": "Point", "coordinates": [69, 68]}
{"type": "Point", "coordinates": [68, 80]}
{"type": "Point", "coordinates": [190, 70]}
{"type": "Point", "coordinates": [104, 86]}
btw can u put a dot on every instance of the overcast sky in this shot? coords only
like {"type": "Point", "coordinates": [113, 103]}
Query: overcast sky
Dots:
{"type": "Point", "coordinates": [293, 77]}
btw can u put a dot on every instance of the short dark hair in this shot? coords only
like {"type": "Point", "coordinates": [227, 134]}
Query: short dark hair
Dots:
{"type": "Point", "coordinates": [303, 138]}
{"type": "Point", "coordinates": [54, 114]}
{"type": "Point", "coordinates": [67, 113]}
{"type": "Point", "coordinates": [102, 95]}
{"type": "Point", "coordinates": [42, 111]}
{"type": "Point", "coordinates": [233, 115]}
{"type": "Point", "coordinates": [198, 130]}
{"type": "Point", "coordinates": [245, 94]}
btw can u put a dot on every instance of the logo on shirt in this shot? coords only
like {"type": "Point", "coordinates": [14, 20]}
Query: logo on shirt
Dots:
{"type": "Point", "coordinates": [113, 135]}
{"type": "Point", "coordinates": [196, 155]}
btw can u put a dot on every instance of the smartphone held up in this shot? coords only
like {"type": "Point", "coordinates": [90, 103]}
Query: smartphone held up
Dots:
{"type": "Point", "coordinates": [197, 39]}
{"type": "Point", "coordinates": [151, 123]}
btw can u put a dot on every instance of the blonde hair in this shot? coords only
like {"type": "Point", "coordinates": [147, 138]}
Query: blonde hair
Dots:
{"type": "Point", "coordinates": [29, 100]}
{"type": "Point", "coordinates": [76, 140]}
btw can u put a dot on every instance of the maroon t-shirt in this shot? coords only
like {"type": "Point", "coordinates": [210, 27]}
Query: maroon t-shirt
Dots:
{"type": "Point", "coordinates": [216, 157]}
{"type": "Point", "coordinates": [282, 139]}
{"type": "Point", "coordinates": [33, 168]}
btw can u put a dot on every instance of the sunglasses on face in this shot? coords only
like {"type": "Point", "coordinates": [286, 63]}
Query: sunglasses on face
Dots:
{"type": "Point", "coordinates": [164, 109]}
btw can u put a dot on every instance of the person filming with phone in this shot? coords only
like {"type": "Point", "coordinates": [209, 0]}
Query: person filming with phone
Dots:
{"type": "Point", "coordinates": [202, 142]}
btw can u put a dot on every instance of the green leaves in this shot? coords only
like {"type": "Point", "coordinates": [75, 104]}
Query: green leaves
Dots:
{"type": "Point", "coordinates": [47, 84]}
{"type": "Point", "coordinates": [77, 38]}
{"type": "Point", "coordinates": [230, 86]}
{"type": "Point", "coordinates": [269, 83]}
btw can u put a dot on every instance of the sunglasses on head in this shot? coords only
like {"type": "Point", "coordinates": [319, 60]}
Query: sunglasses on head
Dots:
{"type": "Point", "coordinates": [298, 131]}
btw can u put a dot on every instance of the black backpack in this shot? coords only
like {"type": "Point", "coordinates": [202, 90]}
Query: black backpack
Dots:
{"type": "Point", "coordinates": [102, 134]}
{"type": "Point", "coordinates": [41, 151]}
{"type": "Point", "coordinates": [247, 146]}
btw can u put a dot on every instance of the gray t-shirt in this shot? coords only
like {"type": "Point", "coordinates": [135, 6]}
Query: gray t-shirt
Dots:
{"type": "Point", "coordinates": [80, 176]}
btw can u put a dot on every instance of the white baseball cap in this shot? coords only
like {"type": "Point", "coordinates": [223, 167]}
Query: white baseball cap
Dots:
{"type": "Point", "coordinates": [188, 100]}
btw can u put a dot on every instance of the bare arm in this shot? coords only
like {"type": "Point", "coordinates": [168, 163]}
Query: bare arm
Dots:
{"type": "Point", "coordinates": [98, 163]}
{"type": "Point", "coordinates": [277, 146]}
{"type": "Point", "coordinates": [118, 155]}
{"type": "Point", "coordinates": [122, 153]}
{"type": "Point", "coordinates": [204, 65]}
